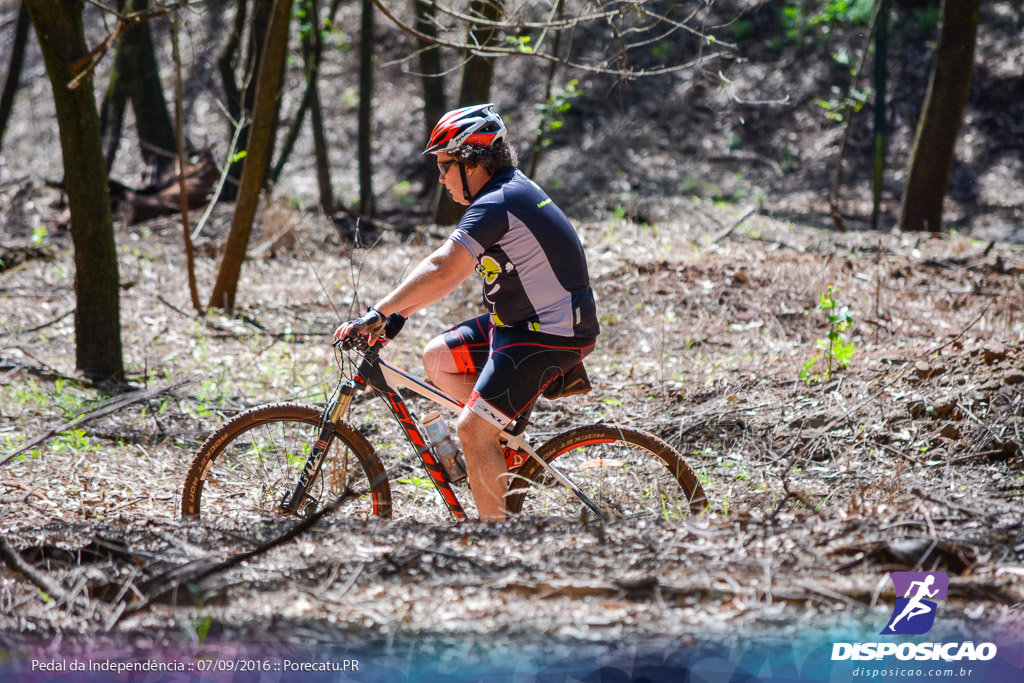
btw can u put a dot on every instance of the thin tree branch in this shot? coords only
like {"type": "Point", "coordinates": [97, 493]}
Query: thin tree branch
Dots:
{"type": "Point", "coordinates": [84, 67]}
{"type": "Point", "coordinates": [499, 52]}
{"type": "Point", "coordinates": [50, 587]}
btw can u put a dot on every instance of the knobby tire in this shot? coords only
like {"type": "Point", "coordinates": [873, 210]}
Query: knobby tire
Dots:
{"type": "Point", "coordinates": [243, 470]}
{"type": "Point", "coordinates": [627, 472]}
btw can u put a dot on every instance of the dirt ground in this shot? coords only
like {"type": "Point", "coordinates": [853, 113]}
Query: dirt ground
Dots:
{"type": "Point", "coordinates": [907, 459]}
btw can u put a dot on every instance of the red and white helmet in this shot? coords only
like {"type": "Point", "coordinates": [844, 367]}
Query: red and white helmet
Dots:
{"type": "Point", "coordinates": [475, 125]}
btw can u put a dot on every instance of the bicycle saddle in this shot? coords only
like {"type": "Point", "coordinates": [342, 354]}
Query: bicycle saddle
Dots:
{"type": "Point", "coordinates": [572, 383]}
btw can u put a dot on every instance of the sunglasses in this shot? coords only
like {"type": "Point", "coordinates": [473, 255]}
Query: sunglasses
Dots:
{"type": "Point", "coordinates": [443, 166]}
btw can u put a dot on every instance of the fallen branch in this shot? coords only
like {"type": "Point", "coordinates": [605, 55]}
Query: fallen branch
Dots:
{"type": "Point", "coordinates": [47, 585]}
{"type": "Point", "coordinates": [192, 572]}
{"type": "Point", "coordinates": [47, 324]}
{"type": "Point", "coordinates": [109, 406]}
{"type": "Point", "coordinates": [728, 230]}
{"type": "Point", "coordinates": [44, 372]}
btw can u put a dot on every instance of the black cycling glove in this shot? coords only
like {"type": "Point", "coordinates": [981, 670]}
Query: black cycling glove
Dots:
{"type": "Point", "coordinates": [393, 325]}
{"type": "Point", "coordinates": [374, 325]}
{"type": "Point", "coordinates": [371, 323]}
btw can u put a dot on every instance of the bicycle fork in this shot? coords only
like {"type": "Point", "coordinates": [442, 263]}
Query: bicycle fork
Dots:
{"type": "Point", "coordinates": [332, 413]}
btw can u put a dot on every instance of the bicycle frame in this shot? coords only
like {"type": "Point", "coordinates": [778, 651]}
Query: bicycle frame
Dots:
{"type": "Point", "coordinates": [385, 380]}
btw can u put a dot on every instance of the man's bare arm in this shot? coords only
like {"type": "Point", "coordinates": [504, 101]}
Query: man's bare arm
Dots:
{"type": "Point", "coordinates": [434, 278]}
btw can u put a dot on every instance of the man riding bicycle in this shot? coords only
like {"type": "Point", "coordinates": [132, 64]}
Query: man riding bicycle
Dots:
{"type": "Point", "coordinates": [541, 320]}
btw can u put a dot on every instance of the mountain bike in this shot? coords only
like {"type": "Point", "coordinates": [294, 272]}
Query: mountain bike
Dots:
{"type": "Point", "coordinates": [272, 461]}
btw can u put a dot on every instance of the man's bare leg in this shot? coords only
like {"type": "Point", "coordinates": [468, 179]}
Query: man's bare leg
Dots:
{"type": "Point", "coordinates": [443, 372]}
{"type": "Point", "coordinates": [485, 464]}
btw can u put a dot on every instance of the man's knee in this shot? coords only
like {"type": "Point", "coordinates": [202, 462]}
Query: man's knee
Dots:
{"type": "Point", "coordinates": [472, 428]}
{"type": "Point", "coordinates": [437, 357]}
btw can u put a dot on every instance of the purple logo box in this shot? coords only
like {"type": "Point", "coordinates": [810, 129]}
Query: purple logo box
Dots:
{"type": "Point", "coordinates": [917, 596]}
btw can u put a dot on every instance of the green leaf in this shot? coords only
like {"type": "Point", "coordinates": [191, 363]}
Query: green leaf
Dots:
{"type": "Point", "coordinates": [844, 353]}
{"type": "Point", "coordinates": [203, 627]}
{"type": "Point", "coordinates": [238, 156]}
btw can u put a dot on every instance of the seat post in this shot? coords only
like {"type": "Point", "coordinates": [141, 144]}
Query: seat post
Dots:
{"type": "Point", "coordinates": [523, 420]}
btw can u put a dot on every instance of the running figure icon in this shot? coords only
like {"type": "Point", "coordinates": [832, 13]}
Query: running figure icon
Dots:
{"type": "Point", "coordinates": [914, 612]}
{"type": "Point", "coordinates": [915, 607]}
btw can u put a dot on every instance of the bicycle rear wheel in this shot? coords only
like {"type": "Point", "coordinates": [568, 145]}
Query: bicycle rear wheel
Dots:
{"type": "Point", "coordinates": [244, 470]}
{"type": "Point", "coordinates": [626, 472]}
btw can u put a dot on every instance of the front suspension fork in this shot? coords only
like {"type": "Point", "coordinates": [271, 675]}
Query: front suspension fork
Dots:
{"type": "Point", "coordinates": [300, 498]}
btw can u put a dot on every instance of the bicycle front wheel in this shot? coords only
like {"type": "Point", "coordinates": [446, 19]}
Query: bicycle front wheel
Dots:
{"type": "Point", "coordinates": [626, 472]}
{"type": "Point", "coordinates": [245, 469]}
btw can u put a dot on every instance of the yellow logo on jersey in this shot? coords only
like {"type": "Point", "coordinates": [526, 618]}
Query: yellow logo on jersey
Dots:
{"type": "Point", "coordinates": [488, 269]}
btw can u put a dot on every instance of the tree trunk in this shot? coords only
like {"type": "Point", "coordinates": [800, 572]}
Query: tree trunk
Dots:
{"type": "Point", "coordinates": [881, 129]}
{"type": "Point", "coordinates": [935, 141]}
{"type": "Point", "coordinates": [366, 204]}
{"type": "Point", "coordinates": [226, 62]}
{"type": "Point", "coordinates": [179, 121]}
{"type": "Point", "coordinates": [323, 166]}
{"type": "Point", "coordinates": [13, 77]}
{"type": "Point", "coordinates": [136, 76]}
{"type": "Point", "coordinates": [432, 77]}
{"type": "Point", "coordinates": [478, 72]}
{"type": "Point", "coordinates": [475, 88]}
{"type": "Point", "coordinates": [260, 147]}
{"type": "Point", "coordinates": [241, 100]}
{"type": "Point", "coordinates": [97, 314]}
{"type": "Point", "coordinates": [538, 144]}
{"type": "Point", "coordinates": [112, 108]}
{"type": "Point", "coordinates": [157, 138]}
{"type": "Point", "coordinates": [312, 52]}
{"type": "Point", "coordinates": [314, 49]}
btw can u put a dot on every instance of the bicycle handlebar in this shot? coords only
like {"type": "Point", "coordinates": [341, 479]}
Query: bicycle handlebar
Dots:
{"type": "Point", "coordinates": [357, 340]}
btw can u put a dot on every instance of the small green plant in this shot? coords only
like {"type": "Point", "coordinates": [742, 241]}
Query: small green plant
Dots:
{"type": "Point", "coordinates": [39, 234]}
{"type": "Point", "coordinates": [404, 194]}
{"type": "Point", "coordinates": [202, 627]}
{"type": "Point", "coordinates": [664, 51]}
{"type": "Point", "coordinates": [797, 24]}
{"type": "Point", "coordinates": [521, 43]}
{"type": "Point", "coordinates": [420, 483]}
{"type": "Point", "coordinates": [74, 440]}
{"type": "Point", "coordinates": [551, 111]}
{"type": "Point", "coordinates": [742, 29]}
{"type": "Point", "coordinates": [836, 107]}
{"type": "Point", "coordinates": [833, 350]}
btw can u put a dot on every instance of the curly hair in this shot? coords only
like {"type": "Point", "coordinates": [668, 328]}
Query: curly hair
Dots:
{"type": "Point", "coordinates": [494, 158]}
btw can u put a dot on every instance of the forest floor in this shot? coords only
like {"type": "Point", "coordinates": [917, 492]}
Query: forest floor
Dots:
{"type": "Point", "coordinates": [908, 459]}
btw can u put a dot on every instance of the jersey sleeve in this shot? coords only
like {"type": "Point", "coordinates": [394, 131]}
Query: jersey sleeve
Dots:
{"type": "Point", "coordinates": [484, 223]}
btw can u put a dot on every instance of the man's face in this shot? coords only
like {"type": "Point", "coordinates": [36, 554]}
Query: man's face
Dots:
{"type": "Point", "coordinates": [450, 177]}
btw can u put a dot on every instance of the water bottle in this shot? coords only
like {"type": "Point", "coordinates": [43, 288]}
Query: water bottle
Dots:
{"type": "Point", "coordinates": [445, 450]}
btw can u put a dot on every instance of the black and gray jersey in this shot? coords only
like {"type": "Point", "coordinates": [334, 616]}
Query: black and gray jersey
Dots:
{"type": "Point", "coordinates": [530, 259]}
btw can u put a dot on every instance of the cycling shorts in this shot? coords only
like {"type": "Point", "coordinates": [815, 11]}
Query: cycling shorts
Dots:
{"type": "Point", "coordinates": [514, 364]}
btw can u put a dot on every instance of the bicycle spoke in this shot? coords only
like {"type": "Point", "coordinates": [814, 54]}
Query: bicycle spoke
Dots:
{"type": "Point", "coordinates": [245, 470]}
{"type": "Point", "coordinates": [626, 472]}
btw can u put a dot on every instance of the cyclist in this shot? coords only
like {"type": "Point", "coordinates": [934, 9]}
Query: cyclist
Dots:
{"type": "Point", "coordinates": [541, 320]}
